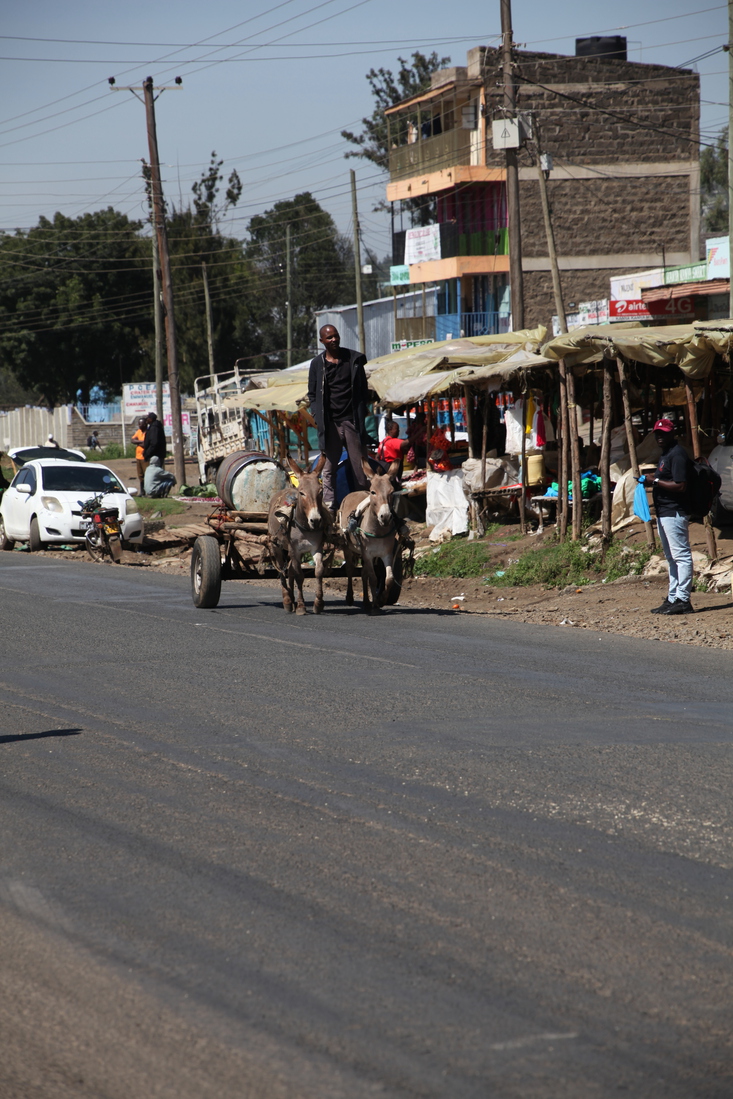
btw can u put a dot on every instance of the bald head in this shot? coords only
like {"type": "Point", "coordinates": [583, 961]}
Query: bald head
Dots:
{"type": "Point", "coordinates": [330, 338]}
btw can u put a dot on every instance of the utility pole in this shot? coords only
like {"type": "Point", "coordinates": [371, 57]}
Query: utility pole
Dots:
{"type": "Point", "coordinates": [165, 264]}
{"type": "Point", "coordinates": [158, 318]}
{"type": "Point", "coordinates": [162, 258]}
{"type": "Point", "coordinates": [288, 291]}
{"type": "Point", "coordinates": [357, 265]}
{"type": "Point", "coordinates": [730, 144]}
{"type": "Point", "coordinates": [209, 319]}
{"type": "Point", "coordinates": [512, 175]}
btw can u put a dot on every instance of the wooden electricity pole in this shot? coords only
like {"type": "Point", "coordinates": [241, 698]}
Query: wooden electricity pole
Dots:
{"type": "Point", "coordinates": [357, 265]}
{"type": "Point", "coordinates": [158, 321]}
{"type": "Point", "coordinates": [179, 468]}
{"type": "Point", "coordinates": [209, 319]}
{"type": "Point", "coordinates": [288, 292]}
{"type": "Point", "coordinates": [512, 175]}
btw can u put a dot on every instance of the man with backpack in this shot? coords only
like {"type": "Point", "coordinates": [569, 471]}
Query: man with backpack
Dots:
{"type": "Point", "coordinates": [671, 486]}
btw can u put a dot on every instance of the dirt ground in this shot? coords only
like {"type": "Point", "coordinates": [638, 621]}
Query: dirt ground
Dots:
{"type": "Point", "coordinates": [620, 607]}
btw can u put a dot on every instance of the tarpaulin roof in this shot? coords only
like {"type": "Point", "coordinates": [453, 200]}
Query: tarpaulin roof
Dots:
{"type": "Point", "coordinates": [275, 398]}
{"type": "Point", "coordinates": [472, 351]}
{"type": "Point", "coordinates": [691, 347]}
{"type": "Point", "coordinates": [410, 390]}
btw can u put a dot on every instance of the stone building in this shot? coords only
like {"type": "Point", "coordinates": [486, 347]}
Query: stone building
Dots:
{"type": "Point", "coordinates": [623, 188]}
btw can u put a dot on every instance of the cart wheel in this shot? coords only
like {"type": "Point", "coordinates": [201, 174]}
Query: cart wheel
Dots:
{"type": "Point", "coordinates": [205, 572]}
{"type": "Point", "coordinates": [5, 542]}
{"type": "Point", "coordinates": [34, 538]}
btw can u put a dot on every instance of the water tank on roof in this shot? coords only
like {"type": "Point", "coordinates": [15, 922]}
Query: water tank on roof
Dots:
{"type": "Point", "coordinates": [611, 46]}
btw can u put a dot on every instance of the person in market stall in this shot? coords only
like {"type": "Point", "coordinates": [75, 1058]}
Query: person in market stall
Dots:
{"type": "Point", "coordinates": [337, 396]}
{"type": "Point", "coordinates": [671, 503]}
{"type": "Point", "coordinates": [392, 448]}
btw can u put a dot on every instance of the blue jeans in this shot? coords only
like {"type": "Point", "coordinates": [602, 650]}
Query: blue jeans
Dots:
{"type": "Point", "coordinates": [675, 538]}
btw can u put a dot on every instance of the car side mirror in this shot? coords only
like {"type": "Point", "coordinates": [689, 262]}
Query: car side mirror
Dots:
{"type": "Point", "coordinates": [24, 488]}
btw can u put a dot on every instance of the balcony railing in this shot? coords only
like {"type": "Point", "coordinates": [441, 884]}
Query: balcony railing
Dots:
{"type": "Point", "coordinates": [450, 326]}
{"type": "Point", "coordinates": [431, 154]}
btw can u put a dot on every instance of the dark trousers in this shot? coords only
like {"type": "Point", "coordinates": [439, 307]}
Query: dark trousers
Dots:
{"type": "Point", "coordinates": [339, 436]}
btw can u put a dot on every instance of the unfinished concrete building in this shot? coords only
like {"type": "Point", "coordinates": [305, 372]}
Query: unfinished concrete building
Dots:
{"type": "Point", "coordinates": [623, 188]}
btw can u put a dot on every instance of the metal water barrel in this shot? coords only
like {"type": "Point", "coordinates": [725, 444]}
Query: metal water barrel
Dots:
{"type": "Point", "coordinates": [247, 479]}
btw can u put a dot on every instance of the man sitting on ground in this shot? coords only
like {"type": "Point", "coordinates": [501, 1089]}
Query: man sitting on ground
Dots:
{"type": "Point", "coordinates": [158, 483]}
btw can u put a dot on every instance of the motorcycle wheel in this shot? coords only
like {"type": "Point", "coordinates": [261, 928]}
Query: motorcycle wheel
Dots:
{"type": "Point", "coordinates": [94, 542]}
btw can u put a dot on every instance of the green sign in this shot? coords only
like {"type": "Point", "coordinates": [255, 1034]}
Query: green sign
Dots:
{"type": "Point", "coordinates": [691, 272]}
{"type": "Point", "coordinates": [402, 345]}
{"type": "Point", "coordinates": [400, 274]}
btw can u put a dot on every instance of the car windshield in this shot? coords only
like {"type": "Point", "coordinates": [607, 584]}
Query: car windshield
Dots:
{"type": "Point", "coordinates": [93, 479]}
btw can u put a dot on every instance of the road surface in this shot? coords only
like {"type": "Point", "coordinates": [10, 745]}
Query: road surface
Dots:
{"type": "Point", "coordinates": [245, 854]}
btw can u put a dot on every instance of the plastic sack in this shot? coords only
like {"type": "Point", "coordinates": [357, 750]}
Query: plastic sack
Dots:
{"type": "Point", "coordinates": [641, 504]}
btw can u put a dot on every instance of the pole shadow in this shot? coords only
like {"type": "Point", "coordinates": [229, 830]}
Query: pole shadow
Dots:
{"type": "Point", "coordinates": [39, 736]}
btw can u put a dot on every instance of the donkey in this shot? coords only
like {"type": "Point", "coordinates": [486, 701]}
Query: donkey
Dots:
{"type": "Point", "coordinates": [296, 525]}
{"type": "Point", "coordinates": [370, 530]}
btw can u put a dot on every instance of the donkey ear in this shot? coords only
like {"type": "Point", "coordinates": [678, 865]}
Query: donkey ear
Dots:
{"type": "Point", "coordinates": [321, 463]}
{"type": "Point", "coordinates": [368, 471]}
{"type": "Point", "coordinates": [394, 469]}
{"type": "Point", "coordinates": [294, 466]}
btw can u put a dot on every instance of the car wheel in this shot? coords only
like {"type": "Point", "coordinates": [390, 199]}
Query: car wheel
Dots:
{"type": "Point", "coordinates": [34, 539]}
{"type": "Point", "coordinates": [5, 542]}
{"type": "Point", "coordinates": [206, 572]}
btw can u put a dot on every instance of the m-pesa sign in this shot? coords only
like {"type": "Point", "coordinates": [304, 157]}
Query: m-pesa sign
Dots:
{"type": "Point", "coordinates": [649, 310]}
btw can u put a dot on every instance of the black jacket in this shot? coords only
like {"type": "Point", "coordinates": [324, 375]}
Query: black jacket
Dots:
{"type": "Point", "coordinates": [154, 441]}
{"type": "Point", "coordinates": [359, 391]}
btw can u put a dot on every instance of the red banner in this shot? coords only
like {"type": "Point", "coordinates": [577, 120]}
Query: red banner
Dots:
{"type": "Point", "coordinates": [649, 310]}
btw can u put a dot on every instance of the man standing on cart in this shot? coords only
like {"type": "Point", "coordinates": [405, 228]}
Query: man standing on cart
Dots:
{"type": "Point", "coordinates": [337, 395]}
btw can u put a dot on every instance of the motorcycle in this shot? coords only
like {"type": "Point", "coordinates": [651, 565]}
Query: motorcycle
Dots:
{"type": "Point", "coordinates": [103, 533]}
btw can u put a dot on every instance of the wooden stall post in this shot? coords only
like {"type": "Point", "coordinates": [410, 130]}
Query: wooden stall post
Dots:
{"type": "Point", "coordinates": [624, 383]}
{"type": "Point", "coordinates": [523, 470]}
{"type": "Point", "coordinates": [451, 420]}
{"type": "Point", "coordinates": [574, 458]}
{"type": "Point", "coordinates": [606, 452]}
{"type": "Point", "coordinates": [469, 420]}
{"type": "Point", "coordinates": [484, 441]}
{"type": "Point", "coordinates": [696, 453]}
{"type": "Point", "coordinates": [563, 454]}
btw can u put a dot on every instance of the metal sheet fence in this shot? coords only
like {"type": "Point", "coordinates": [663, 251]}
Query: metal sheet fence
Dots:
{"type": "Point", "coordinates": [379, 327]}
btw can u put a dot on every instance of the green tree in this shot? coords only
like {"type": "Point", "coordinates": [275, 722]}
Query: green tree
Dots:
{"type": "Point", "coordinates": [714, 184]}
{"type": "Point", "coordinates": [322, 272]}
{"type": "Point", "coordinates": [74, 300]}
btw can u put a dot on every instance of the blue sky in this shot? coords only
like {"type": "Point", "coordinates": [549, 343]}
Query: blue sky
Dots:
{"type": "Point", "coordinates": [269, 86]}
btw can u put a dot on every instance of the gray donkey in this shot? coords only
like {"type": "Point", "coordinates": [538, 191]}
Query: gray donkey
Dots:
{"type": "Point", "coordinates": [296, 525]}
{"type": "Point", "coordinates": [370, 529]}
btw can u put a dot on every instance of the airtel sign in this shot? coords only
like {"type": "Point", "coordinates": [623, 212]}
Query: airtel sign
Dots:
{"type": "Point", "coordinates": [650, 310]}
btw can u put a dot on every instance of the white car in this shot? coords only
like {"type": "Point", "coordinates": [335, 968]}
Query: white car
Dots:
{"type": "Point", "coordinates": [44, 501]}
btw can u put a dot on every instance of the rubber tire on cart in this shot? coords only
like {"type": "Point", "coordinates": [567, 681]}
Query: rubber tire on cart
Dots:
{"type": "Point", "coordinates": [205, 572]}
{"type": "Point", "coordinates": [34, 537]}
{"type": "Point", "coordinates": [5, 542]}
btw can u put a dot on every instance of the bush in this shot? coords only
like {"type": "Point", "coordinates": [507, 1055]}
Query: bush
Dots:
{"type": "Point", "coordinates": [562, 563]}
{"type": "Point", "coordinates": [459, 558]}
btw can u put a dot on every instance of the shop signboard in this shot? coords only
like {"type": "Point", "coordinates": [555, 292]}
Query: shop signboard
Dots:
{"type": "Point", "coordinates": [139, 398]}
{"type": "Point", "coordinates": [422, 245]}
{"type": "Point", "coordinates": [717, 254]}
{"type": "Point", "coordinates": [690, 272]}
{"type": "Point", "coordinates": [399, 274]}
{"type": "Point", "coordinates": [635, 309]}
{"type": "Point", "coordinates": [629, 287]}
{"type": "Point", "coordinates": [402, 345]}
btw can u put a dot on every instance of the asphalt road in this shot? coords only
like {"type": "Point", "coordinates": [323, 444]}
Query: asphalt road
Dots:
{"type": "Point", "coordinates": [429, 854]}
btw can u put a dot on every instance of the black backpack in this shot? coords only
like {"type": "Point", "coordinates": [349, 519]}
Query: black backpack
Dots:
{"type": "Point", "coordinates": [703, 488]}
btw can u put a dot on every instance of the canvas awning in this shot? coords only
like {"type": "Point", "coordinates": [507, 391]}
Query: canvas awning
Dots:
{"type": "Point", "coordinates": [411, 390]}
{"type": "Point", "coordinates": [275, 398]}
{"type": "Point", "coordinates": [691, 347]}
{"type": "Point", "coordinates": [473, 351]}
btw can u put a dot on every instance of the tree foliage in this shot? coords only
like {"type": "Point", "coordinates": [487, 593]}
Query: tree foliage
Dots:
{"type": "Point", "coordinates": [74, 300]}
{"type": "Point", "coordinates": [389, 88]}
{"type": "Point", "coordinates": [714, 184]}
{"type": "Point", "coordinates": [322, 269]}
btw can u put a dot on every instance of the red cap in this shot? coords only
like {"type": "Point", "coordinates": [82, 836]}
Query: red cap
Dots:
{"type": "Point", "coordinates": [664, 425]}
